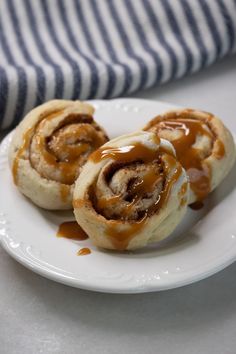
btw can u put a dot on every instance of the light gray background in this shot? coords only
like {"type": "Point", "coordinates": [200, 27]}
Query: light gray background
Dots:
{"type": "Point", "coordinates": [40, 316]}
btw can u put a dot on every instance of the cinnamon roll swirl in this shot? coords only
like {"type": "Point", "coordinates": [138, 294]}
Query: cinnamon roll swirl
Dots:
{"type": "Point", "coordinates": [132, 191]}
{"type": "Point", "coordinates": [49, 148]}
{"type": "Point", "coordinates": [204, 147]}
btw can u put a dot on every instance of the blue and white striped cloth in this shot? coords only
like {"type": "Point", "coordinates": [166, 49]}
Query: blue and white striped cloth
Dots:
{"type": "Point", "coordinates": [104, 48]}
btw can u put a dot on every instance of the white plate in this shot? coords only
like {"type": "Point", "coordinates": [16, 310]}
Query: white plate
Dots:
{"type": "Point", "coordinates": [206, 243]}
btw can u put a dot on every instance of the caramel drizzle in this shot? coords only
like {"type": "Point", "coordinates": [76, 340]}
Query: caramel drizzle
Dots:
{"type": "Point", "coordinates": [146, 183]}
{"type": "Point", "coordinates": [220, 152]}
{"type": "Point", "coordinates": [187, 154]}
{"type": "Point", "coordinates": [64, 191]}
{"type": "Point", "coordinates": [129, 154]}
{"type": "Point", "coordinates": [25, 146]}
{"type": "Point", "coordinates": [71, 230]}
{"type": "Point", "coordinates": [143, 186]}
{"type": "Point", "coordinates": [125, 154]}
{"type": "Point", "coordinates": [121, 238]}
{"type": "Point", "coordinates": [67, 168]}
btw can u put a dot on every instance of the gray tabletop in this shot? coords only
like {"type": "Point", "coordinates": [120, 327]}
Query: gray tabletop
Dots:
{"type": "Point", "coordinates": [40, 316]}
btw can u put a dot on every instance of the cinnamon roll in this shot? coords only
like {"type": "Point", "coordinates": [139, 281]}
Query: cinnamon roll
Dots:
{"type": "Point", "coordinates": [204, 147]}
{"type": "Point", "coordinates": [49, 148]}
{"type": "Point", "coordinates": [132, 191]}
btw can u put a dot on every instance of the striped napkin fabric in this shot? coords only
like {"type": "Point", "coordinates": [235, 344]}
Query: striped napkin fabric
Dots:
{"type": "Point", "coordinates": [81, 49]}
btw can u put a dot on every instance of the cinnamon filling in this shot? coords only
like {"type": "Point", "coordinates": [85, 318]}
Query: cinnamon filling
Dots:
{"type": "Point", "coordinates": [187, 134]}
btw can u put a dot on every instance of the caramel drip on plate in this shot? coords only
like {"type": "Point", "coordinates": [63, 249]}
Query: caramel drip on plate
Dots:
{"type": "Point", "coordinates": [121, 232]}
{"type": "Point", "coordinates": [71, 230]}
{"type": "Point", "coordinates": [84, 251]}
{"type": "Point", "coordinates": [187, 154]}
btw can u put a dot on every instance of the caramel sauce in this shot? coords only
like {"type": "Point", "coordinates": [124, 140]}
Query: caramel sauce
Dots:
{"type": "Point", "coordinates": [220, 152]}
{"type": "Point", "coordinates": [125, 154]}
{"type": "Point", "coordinates": [103, 202]}
{"type": "Point", "coordinates": [187, 154]}
{"type": "Point", "coordinates": [77, 203]}
{"type": "Point", "coordinates": [146, 183]}
{"type": "Point", "coordinates": [197, 205]}
{"type": "Point", "coordinates": [170, 164]}
{"type": "Point", "coordinates": [51, 115]}
{"type": "Point", "coordinates": [65, 191]}
{"type": "Point", "coordinates": [26, 143]}
{"type": "Point", "coordinates": [121, 238]}
{"type": "Point", "coordinates": [67, 169]}
{"type": "Point", "coordinates": [84, 251]}
{"type": "Point", "coordinates": [71, 230]}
